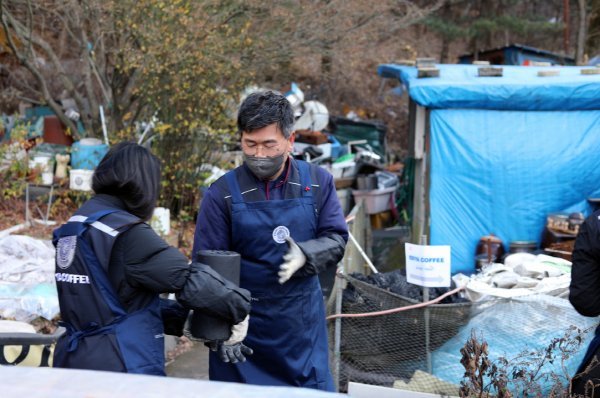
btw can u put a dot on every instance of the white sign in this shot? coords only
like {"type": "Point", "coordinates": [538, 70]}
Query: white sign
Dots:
{"type": "Point", "coordinates": [428, 266]}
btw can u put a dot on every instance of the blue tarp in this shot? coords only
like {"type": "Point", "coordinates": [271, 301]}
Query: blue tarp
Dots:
{"type": "Point", "coordinates": [503, 171]}
{"type": "Point", "coordinates": [518, 89]}
{"type": "Point", "coordinates": [518, 328]}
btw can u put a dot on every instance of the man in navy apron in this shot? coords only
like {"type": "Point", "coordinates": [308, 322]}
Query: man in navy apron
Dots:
{"type": "Point", "coordinates": [284, 218]}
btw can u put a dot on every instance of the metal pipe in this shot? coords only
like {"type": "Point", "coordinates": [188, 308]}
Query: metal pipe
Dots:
{"type": "Point", "coordinates": [362, 253]}
{"type": "Point", "coordinates": [103, 125]}
{"type": "Point", "coordinates": [426, 316]}
{"type": "Point", "coordinates": [337, 334]}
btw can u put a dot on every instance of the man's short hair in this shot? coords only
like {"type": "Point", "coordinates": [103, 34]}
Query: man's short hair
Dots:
{"type": "Point", "coordinates": [132, 173]}
{"type": "Point", "coordinates": [264, 108]}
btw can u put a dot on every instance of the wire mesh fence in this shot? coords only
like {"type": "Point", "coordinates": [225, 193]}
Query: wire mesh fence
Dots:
{"type": "Point", "coordinates": [424, 343]}
{"type": "Point", "coordinates": [383, 349]}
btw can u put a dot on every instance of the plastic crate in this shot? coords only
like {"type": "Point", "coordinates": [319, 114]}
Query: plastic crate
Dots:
{"type": "Point", "coordinates": [376, 200]}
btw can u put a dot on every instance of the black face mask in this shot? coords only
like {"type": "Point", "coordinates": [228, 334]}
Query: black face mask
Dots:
{"type": "Point", "coordinates": [264, 168]}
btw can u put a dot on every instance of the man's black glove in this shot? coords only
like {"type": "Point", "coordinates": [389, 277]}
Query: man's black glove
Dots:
{"type": "Point", "coordinates": [232, 353]}
{"type": "Point", "coordinates": [173, 316]}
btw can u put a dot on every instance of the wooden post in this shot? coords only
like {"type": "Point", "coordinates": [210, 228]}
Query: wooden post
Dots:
{"type": "Point", "coordinates": [419, 222]}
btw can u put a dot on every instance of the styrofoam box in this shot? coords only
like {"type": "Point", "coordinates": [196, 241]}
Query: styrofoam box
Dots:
{"type": "Point", "coordinates": [80, 179]}
{"type": "Point", "coordinates": [376, 200]}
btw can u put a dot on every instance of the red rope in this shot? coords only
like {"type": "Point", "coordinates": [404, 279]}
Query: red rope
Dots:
{"type": "Point", "coordinates": [399, 309]}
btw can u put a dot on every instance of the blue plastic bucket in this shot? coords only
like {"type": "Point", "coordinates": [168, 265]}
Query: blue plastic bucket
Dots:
{"type": "Point", "coordinates": [336, 147]}
{"type": "Point", "coordinates": [87, 155]}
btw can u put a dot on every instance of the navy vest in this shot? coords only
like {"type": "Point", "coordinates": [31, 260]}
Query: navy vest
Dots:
{"type": "Point", "coordinates": [101, 335]}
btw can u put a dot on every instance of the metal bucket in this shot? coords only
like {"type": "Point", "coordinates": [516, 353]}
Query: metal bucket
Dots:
{"type": "Point", "coordinates": [366, 182]}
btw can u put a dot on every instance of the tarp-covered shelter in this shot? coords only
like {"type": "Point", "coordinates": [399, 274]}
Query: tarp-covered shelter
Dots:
{"type": "Point", "coordinates": [516, 54]}
{"type": "Point", "coordinates": [498, 154]}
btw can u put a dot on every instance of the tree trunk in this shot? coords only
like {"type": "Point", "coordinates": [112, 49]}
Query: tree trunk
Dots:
{"type": "Point", "coordinates": [445, 50]}
{"type": "Point", "coordinates": [581, 33]}
{"type": "Point", "coordinates": [566, 20]}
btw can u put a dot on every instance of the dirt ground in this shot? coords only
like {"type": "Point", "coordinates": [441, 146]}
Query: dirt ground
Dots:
{"type": "Point", "coordinates": [190, 361]}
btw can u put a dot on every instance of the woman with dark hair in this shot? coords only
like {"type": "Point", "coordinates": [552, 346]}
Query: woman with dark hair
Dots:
{"type": "Point", "coordinates": [111, 267]}
{"type": "Point", "coordinates": [131, 173]}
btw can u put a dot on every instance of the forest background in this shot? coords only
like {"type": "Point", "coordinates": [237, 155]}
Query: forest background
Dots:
{"type": "Point", "coordinates": [184, 63]}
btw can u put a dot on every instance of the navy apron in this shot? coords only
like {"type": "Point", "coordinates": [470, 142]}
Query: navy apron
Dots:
{"type": "Point", "coordinates": [287, 328]}
{"type": "Point", "coordinates": [101, 335]}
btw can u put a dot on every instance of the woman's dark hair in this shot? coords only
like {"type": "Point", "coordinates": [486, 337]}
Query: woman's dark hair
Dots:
{"type": "Point", "coordinates": [132, 173]}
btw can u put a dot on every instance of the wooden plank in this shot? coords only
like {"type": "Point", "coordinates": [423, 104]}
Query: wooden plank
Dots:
{"type": "Point", "coordinates": [360, 390]}
{"type": "Point", "coordinates": [420, 209]}
{"type": "Point", "coordinates": [428, 72]}
{"type": "Point", "coordinates": [489, 72]}
{"type": "Point", "coordinates": [419, 132]}
{"type": "Point", "coordinates": [548, 73]}
{"type": "Point", "coordinates": [591, 71]}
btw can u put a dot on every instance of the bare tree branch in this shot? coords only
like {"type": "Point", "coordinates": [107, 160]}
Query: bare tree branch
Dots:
{"type": "Point", "coordinates": [29, 64]}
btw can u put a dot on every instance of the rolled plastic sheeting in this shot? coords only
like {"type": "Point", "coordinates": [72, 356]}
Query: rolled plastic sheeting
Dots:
{"type": "Point", "coordinates": [227, 264]}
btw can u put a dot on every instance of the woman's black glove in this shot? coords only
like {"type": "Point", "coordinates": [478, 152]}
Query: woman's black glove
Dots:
{"type": "Point", "coordinates": [173, 316]}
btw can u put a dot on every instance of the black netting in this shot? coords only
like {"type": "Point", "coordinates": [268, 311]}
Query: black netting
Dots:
{"type": "Point", "coordinates": [384, 349]}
